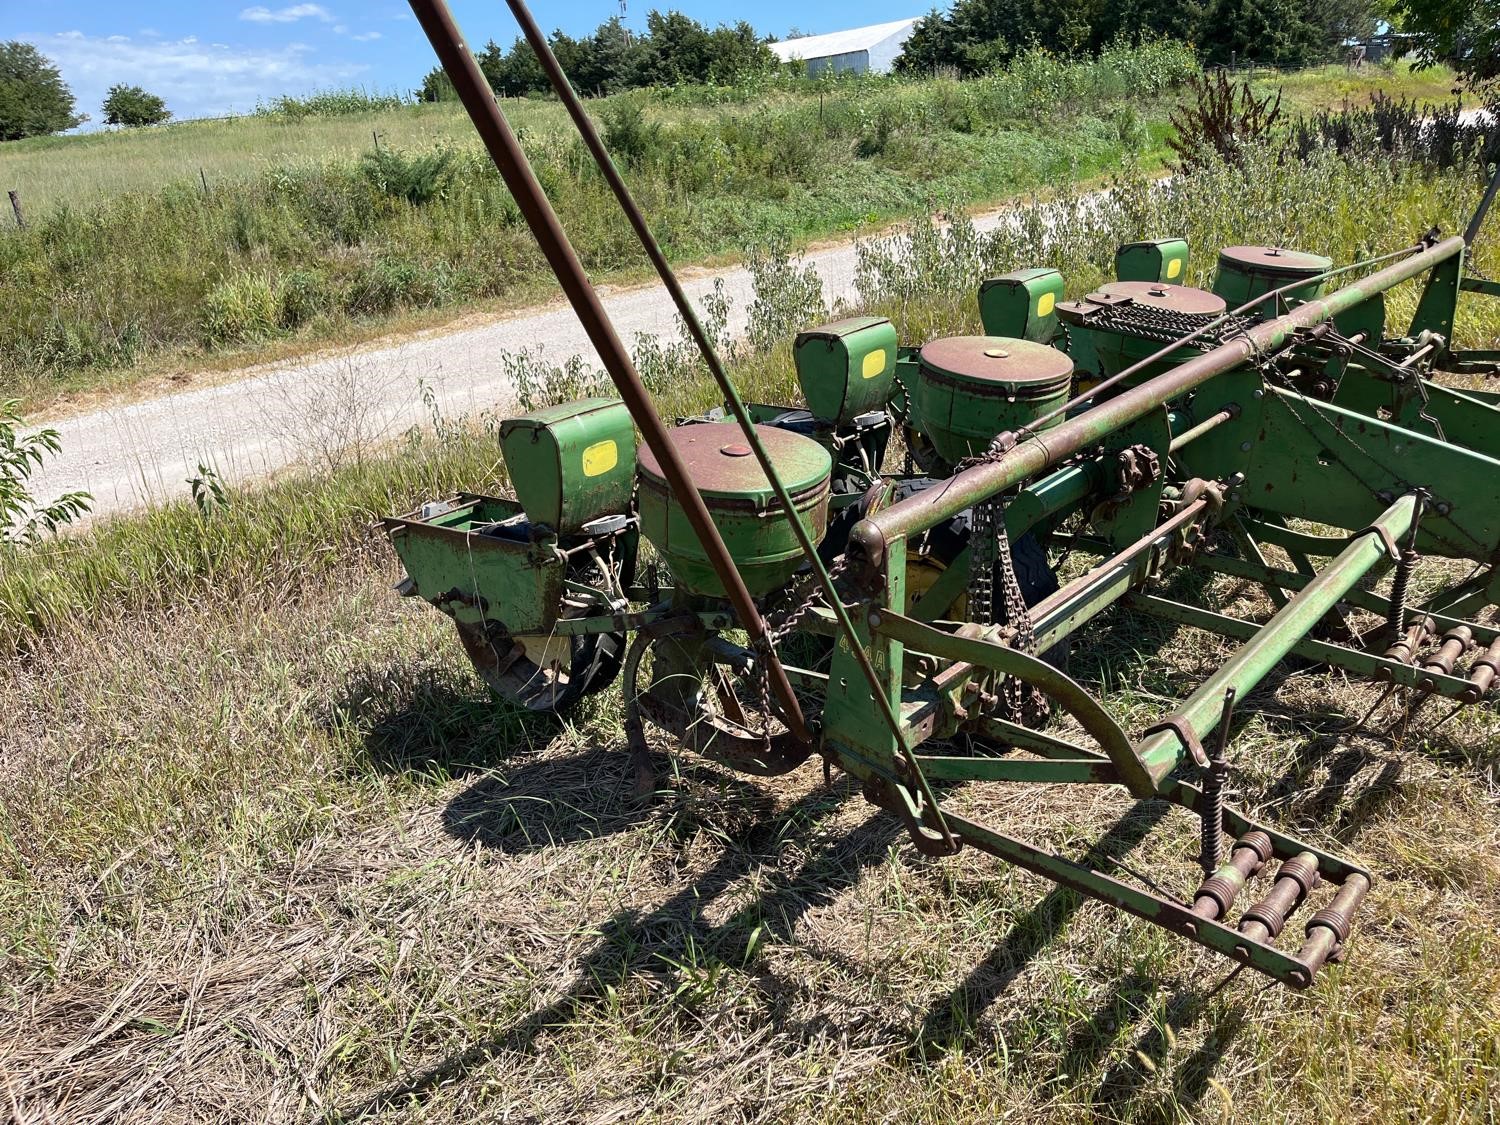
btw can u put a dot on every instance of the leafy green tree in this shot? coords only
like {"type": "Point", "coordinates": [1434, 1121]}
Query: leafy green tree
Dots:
{"type": "Point", "coordinates": [34, 100]}
{"type": "Point", "coordinates": [131, 106]}
{"type": "Point", "coordinates": [1268, 32]}
{"type": "Point", "coordinates": [678, 50]}
{"type": "Point", "coordinates": [1465, 33]}
{"type": "Point", "coordinates": [514, 73]}
{"type": "Point", "coordinates": [22, 519]}
{"type": "Point", "coordinates": [437, 87]}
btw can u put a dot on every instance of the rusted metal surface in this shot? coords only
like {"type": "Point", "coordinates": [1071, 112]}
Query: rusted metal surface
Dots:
{"type": "Point", "coordinates": [1019, 368]}
{"type": "Point", "coordinates": [1273, 259]}
{"type": "Point", "coordinates": [721, 467]}
{"type": "Point", "coordinates": [1159, 295]}
{"type": "Point", "coordinates": [474, 92]}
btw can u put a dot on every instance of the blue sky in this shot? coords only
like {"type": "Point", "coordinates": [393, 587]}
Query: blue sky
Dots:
{"type": "Point", "coordinates": [210, 58]}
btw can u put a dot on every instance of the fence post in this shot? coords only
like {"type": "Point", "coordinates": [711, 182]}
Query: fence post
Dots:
{"type": "Point", "coordinates": [15, 205]}
{"type": "Point", "coordinates": [202, 175]}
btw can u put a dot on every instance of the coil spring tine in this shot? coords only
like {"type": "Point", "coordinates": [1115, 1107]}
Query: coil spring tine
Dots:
{"type": "Point", "coordinates": [1217, 894]}
{"type": "Point", "coordinates": [1328, 929]}
{"type": "Point", "coordinates": [1266, 919]}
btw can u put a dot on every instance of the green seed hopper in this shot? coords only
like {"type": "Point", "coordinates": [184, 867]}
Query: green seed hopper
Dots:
{"type": "Point", "coordinates": [772, 584]}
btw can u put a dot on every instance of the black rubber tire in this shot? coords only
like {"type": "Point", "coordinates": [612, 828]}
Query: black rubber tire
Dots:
{"type": "Point", "coordinates": [594, 659]}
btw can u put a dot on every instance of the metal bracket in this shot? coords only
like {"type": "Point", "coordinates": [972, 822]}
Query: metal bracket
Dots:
{"type": "Point", "coordinates": [1179, 726]}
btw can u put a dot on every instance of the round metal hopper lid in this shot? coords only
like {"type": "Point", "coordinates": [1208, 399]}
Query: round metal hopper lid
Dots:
{"type": "Point", "coordinates": [1019, 364]}
{"type": "Point", "coordinates": [1172, 298]}
{"type": "Point", "coordinates": [1273, 259]}
{"type": "Point", "coordinates": [721, 464]}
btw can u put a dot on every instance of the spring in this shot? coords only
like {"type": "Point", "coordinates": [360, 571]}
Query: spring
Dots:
{"type": "Point", "coordinates": [1399, 585]}
{"type": "Point", "coordinates": [1213, 816]}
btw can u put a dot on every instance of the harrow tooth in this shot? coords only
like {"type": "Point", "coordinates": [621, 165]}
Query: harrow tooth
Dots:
{"type": "Point", "coordinates": [1482, 673]}
{"type": "Point", "coordinates": [1266, 918]}
{"type": "Point", "coordinates": [1217, 894]}
{"type": "Point", "coordinates": [1328, 929]}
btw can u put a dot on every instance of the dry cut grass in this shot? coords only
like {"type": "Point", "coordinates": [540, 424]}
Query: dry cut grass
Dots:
{"type": "Point", "coordinates": [311, 873]}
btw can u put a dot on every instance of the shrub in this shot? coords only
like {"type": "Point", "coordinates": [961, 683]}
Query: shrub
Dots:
{"type": "Point", "coordinates": [1224, 118]}
{"type": "Point", "coordinates": [22, 519]}
{"type": "Point", "coordinates": [303, 294]}
{"type": "Point", "coordinates": [241, 309]}
{"type": "Point", "coordinates": [389, 283]}
{"type": "Point", "coordinates": [1439, 138]}
{"type": "Point", "coordinates": [416, 179]}
{"type": "Point", "coordinates": [630, 137]}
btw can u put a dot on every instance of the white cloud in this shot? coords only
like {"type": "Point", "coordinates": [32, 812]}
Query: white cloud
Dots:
{"type": "Point", "coordinates": [289, 14]}
{"type": "Point", "coordinates": [366, 37]}
{"type": "Point", "coordinates": [196, 79]}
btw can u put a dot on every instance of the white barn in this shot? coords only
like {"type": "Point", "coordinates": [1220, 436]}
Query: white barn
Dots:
{"type": "Point", "coordinates": [861, 50]}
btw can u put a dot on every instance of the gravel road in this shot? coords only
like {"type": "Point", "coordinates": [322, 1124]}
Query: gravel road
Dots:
{"type": "Point", "coordinates": [130, 455]}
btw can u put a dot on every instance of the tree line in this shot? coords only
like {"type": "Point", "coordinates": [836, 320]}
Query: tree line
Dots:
{"type": "Point", "coordinates": [975, 35]}
{"type": "Point", "coordinates": [971, 37]}
{"type": "Point", "coordinates": [673, 50]}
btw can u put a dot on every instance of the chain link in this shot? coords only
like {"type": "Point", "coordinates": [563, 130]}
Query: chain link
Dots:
{"type": "Point", "coordinates": [1167, 325]}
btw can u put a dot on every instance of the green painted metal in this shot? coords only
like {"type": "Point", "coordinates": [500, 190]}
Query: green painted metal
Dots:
{"type": "Point", "coordinates": [1158, 259]}
{"type": "Point", "coordinates": [1438, 307]}
{"type": "Point", "coordinates": [1444, 617]}
{"type": "Point", "coordinates": [1247, 272]}
{"type": "Point", "coordinates": [571, 463]}
{"type": "Point", "coordinates": [846, 368]}
{"type": "Point", "coordinates": [1425, 407]}
{"type": "Point", "coordinates": [1164, 750]}
{"type": "Point", "coordinates": [1033, 454]}
{"type": "Point", "coordinates": [970, 388]}
{"type": "Point", "coordinates": [1045, 772]}
{"type": "Point", "coordinates": [1071, 696]}
{"type": "Point", "coordinates": [1116, 351]}
{"type": "Point", "coordinates": [474, 576]}
{"type": "Point", "coordinates": [1317, 461]}
{"type": "Point", "coordinates": [1035, 506]}
{"type": "Point", "coordinates": [750, 519]}
{"type": "Point", "coordinates": [1365, 664]}
{"type": "Point", "coordinates": [1021, 305]}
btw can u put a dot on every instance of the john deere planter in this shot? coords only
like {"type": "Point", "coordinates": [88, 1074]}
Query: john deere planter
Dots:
{"type": "Point", "coordinates": [773, 583]}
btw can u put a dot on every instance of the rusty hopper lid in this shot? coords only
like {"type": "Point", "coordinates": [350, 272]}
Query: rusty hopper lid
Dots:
{"type": "Point", "coordinates": [1018, 368]}
{"type": "Point", "coordinates": [1273, 260]}
{"type": "Point", "coordinates": [722, 465]}
{"type": "Point", "coordinates": [1159, 295]}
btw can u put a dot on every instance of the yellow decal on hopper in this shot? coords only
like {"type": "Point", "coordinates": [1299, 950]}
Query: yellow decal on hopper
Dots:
{"type": "Point", "coordinates": [600, 457]}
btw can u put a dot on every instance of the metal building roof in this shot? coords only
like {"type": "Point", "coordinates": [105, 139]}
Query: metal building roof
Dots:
{"type": "Point", "coordinates": [839, 42]}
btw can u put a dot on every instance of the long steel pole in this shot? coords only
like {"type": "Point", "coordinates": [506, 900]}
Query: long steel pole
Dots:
{"type": "Point", "coordinates": [569, 97]}
{"type": "Point", "coordinates": [475, 94]}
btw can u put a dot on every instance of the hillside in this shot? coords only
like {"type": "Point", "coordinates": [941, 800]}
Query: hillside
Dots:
{"type": "Point", "coordinates": [306, 235]}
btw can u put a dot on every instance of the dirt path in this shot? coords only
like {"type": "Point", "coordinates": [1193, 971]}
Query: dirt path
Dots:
{"type": "Point", "coordinates": [132, 454]}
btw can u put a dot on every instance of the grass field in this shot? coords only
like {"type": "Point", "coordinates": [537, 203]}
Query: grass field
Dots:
{"type": "Point", "coordinates": [132, 270]}
{"type": "Point", "coordinates": [320, 245]}
{"type": "Point", "coordinates": [268, 853]}
{"type": "Point", "coordinates": [1331, 87]}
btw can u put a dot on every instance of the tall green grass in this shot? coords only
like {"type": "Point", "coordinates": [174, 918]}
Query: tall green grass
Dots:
{"type": "Point", "coordinates": [307, 246]}
{"type": "Point", "coordinates": [286, 535]}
